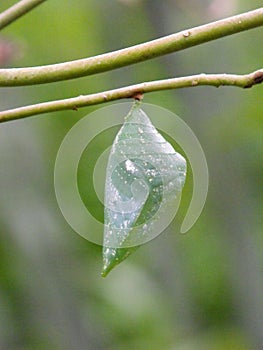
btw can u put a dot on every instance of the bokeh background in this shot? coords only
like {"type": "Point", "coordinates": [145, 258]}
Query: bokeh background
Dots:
{"type": "Point", "coordinates": [202, 290]}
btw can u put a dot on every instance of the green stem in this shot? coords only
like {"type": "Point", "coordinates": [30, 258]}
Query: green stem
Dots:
{"type": "Point", "coordinates": [131, 55]}
{"type": "Point", "coordinates": [134, 91]}
{"type": "Point", "coordinates": [16, 11]}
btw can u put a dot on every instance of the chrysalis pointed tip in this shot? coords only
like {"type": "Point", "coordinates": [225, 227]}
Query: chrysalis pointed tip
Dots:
{"type": "Point", "coordinates": [106, 269]}
{"type": "Point", "coordinates": [103, 274]}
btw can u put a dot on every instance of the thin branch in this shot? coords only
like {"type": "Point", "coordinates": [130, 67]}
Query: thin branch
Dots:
{"type": "Point", "coordinates": [131, 55]}
{"type": "Point", "coordinates": [134, 91]}
{"type": "Point", "coordinates": [16, 11]}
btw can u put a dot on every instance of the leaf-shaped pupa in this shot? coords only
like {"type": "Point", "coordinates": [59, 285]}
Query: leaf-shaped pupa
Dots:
{"type": "Point", "coordinates": [144, 175]}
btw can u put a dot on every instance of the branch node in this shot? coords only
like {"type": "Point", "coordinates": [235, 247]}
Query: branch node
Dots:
{"type": "Point", "coordinates": [187, 34]}
{"type": "Point", "coordinates": [257, 78]}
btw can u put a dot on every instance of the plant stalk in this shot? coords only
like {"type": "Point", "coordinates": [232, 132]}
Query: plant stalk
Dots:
{"type": "Point", "coordinates": [134, 91]}
{"type": "Point", "coordinates": [13, 13]}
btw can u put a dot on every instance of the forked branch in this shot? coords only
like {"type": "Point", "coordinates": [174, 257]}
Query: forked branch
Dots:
{"type": "Point", "coordinates": [138, 53]}
{"type": "Point", "coordinates": [124, 57]}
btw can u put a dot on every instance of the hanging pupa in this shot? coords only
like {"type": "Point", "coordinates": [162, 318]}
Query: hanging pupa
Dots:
{"type": "Point", "coordinates": [144, 176]}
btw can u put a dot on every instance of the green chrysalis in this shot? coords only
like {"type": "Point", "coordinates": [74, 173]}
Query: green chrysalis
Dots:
{"type": "Point", "coordinates": [144, 173]}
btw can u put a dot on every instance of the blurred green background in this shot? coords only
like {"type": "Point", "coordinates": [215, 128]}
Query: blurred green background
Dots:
{"type": "Point", "coordinates": [202, 290]}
